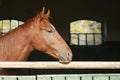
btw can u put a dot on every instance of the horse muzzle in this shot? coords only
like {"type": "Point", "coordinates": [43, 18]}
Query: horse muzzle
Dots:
{"type": "Point", "coordinates": [65, 58]}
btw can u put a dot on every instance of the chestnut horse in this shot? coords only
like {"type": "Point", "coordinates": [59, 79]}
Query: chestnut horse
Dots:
{"type": "Point", "coordinates": [36, 33]}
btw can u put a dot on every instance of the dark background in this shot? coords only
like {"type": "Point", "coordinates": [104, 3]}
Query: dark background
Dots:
{"type": "Point", "coordinates": [62, 13]}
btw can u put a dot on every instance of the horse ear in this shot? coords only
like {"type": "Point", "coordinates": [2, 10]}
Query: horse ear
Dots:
{"type": "Point", "coordinates": [41, 15]}
{"type": "Point", "coordinates": [43, 11]}
{"type": "Point", "coordinates": [48, 13]}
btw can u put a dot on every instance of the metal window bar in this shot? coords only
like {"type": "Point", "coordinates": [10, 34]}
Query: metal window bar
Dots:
{"type": "Point", "coordinates": [94, 38]}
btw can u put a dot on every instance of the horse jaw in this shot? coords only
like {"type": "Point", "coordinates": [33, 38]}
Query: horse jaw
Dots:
{"type": "Point", "coordinates": [63, 56]}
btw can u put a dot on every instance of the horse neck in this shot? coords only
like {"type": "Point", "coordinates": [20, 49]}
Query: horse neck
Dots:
{"type": "Point", "coordinates": [17, 43]}
{"type": "Point", "coordinates": [28, 34]}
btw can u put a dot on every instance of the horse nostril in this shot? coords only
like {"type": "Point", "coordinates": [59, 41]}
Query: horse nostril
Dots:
{"type": "Point", "coordinates": [69, 55]}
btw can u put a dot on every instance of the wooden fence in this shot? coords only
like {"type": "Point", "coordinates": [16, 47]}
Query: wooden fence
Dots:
{"type": "Point", "coordinates": [57, 65]}
{"type": "Point", "coordinates": [65, 77]}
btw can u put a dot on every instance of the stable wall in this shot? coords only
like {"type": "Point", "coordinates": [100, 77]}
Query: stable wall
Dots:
{"type": "Point", "coordinates": [64, 11]}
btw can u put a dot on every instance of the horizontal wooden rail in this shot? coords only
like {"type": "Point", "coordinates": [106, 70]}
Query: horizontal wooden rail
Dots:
{"type": "Point", "coordinates": [57, 65]}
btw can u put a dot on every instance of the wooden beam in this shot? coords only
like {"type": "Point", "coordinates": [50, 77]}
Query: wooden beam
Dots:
{"type": "Point", "coordinates": [57, 65]}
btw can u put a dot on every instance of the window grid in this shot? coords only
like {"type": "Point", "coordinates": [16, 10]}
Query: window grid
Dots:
{"type": "Point", "coordinates": [86, 41]}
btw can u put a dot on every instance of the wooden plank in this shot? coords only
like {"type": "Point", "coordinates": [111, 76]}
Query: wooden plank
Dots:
{"type": "Point", "coordinates": [101, 78]}
{"type": "Point", "coordinates": [86, 78]}
{"type": "Point", "coordinates": [44, 77]}
{"type": "Point", "coordinates": [26, 78]}
{"type": "Point", "coordinates": [115, 77]}
{"type": "Point", "coordinates": [65, 77]}
{"type": "Point", "coordinates": [73, 78]}
{"type": "Point", "coordinates": [8, 77]}
{"type": "Point", "coordinates": [17, 77]}
{"type": "Point", "coordinates": [1, 78]}
{"type": "Point", "coordinates": [57, 65]}
{"type": "Point", "coordinates": [58, 78]}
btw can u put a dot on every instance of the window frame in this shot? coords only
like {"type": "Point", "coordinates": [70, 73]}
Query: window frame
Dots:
{"type": "Point", "coordinates": [103, 22]}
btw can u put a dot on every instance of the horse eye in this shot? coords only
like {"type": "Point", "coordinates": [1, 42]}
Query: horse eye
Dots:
{"type": "Point", "coordinates": [50, 31]}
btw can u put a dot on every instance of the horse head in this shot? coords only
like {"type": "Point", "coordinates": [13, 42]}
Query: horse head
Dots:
{"type": "Point", "coordinates": [48, 40]}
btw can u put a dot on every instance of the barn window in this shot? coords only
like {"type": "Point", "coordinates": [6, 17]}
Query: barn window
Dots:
{"type": "Point", "coordinates": [8, 25]}
{"type": "Point", "coordinates": [86, 32]}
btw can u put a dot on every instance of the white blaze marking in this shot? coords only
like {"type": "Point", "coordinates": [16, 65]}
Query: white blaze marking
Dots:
{"type": "Point", "coordinates": [52, 26]}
